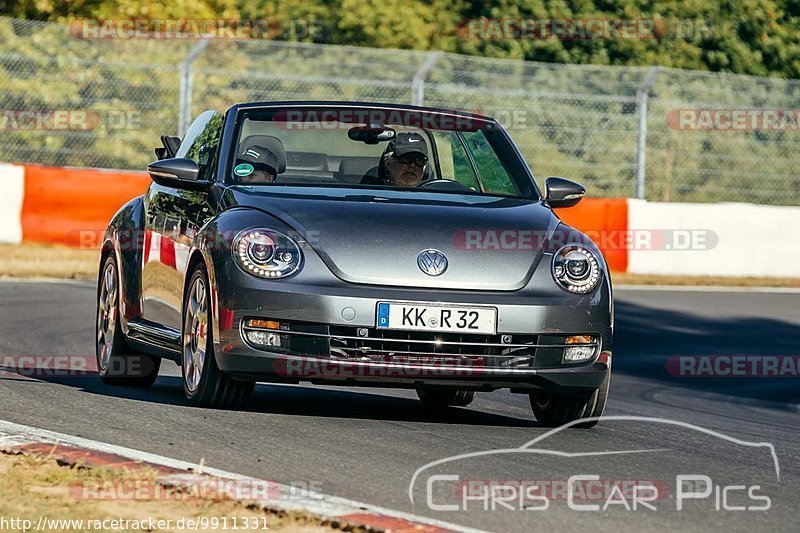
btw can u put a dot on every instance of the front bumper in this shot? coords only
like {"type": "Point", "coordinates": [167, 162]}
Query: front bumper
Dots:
{"type": "Point", "coordinates": [280, 368]}
{"type": "Point", "coordinates": [341, 309]}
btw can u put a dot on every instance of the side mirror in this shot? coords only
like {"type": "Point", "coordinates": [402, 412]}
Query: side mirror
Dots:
{"type": "Point", "coordinates": [178, 172]}
{"type": "Point", "coordinates": [560, 192]}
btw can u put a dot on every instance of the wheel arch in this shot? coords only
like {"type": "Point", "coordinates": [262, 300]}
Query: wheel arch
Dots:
{"type": "Point", "coordinates": [125, 237]}
{"type": "Point", "coordinates": [198, 256]}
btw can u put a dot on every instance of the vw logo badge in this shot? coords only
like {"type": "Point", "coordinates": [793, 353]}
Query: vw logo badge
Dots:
{"type": "Point", "coordinates": [432, 262]}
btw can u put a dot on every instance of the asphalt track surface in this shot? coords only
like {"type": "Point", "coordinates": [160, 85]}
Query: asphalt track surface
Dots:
{"type": "Point", "coordinates": [366, 444]}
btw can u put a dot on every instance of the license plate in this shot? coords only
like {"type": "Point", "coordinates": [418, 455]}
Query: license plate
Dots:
{"type": "Point", "coordinates": [395, 315]}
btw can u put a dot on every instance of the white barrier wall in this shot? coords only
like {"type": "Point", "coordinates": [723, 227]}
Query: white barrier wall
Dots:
{"type": "Point", "coordinates": [12, 181]}
{"type": "Point", "coordinates": [751, 240]}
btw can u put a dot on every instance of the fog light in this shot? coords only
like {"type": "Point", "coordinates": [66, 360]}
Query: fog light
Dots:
{"type": "Point", "coordinates": [263, 338]}
{"type": "Point", "coordinates": [264, 324]}
{"type": "Point", "coordinates": [579, 353]}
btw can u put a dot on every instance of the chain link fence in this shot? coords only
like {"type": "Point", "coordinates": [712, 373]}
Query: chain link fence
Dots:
{"type": "Point", "coordinates": [660, 134]}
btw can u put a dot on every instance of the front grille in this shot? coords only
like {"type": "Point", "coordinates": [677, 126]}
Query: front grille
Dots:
{"type": "Point", "coordinates": [416, 348]}
{"type": "Point", "coordinates": [427, 348]}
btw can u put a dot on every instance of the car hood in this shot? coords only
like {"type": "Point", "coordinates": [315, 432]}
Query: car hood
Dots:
{"type": "Point", "coordinates": [375, 237]}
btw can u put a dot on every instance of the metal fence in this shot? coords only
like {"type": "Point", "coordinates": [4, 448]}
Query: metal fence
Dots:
{"type": "Point", "coordinates": [621, 131]}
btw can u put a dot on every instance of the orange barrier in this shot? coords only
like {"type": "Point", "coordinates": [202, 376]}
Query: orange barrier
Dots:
{"type": "Point", "coordinates": [73, 206]}
{"type": "Point", "coordinates": [605, 221]}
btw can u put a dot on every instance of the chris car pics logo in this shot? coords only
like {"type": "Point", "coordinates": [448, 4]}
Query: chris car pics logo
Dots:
{"type": "Point", "coordinates": [445, 489]}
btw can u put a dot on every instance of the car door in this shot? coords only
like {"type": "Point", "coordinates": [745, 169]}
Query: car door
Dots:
{"type": "Point", "coordinates": [172, 218]}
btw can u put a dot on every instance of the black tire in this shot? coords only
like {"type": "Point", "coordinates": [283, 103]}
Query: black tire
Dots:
{"type": "Point", "coordinates": [436, 399]}
{"type": "Point", "coordinates": [553, 410]}
{"type": "Point", "coordinates": [116, 363]}
{"type": "Point", "coordinates": [207, 386]}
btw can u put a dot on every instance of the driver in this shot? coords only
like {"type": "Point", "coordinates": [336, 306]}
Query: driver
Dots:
{"type": "Point", "coordinates": [405, 159]}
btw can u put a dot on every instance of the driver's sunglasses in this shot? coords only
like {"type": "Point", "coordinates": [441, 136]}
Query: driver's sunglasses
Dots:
{"type": "Point", "coordinates": [419, 160]}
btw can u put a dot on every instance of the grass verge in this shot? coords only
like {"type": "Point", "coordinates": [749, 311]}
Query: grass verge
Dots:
{"type": "Point", "coordinates": [620, 278]}
{"type": "Point", "coordinates": [48, 261]}
{"type": "Point", "coordinates": [32, 487]}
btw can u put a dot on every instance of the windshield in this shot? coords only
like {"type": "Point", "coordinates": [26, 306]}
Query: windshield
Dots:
{"type": "Point", "coordinates": [377, 148]}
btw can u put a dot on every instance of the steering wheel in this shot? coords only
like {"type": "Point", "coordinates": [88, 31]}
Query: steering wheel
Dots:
{"type": "Point", "coordinates": [443, 185]}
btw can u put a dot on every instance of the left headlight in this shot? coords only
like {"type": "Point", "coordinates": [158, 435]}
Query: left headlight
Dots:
{"type": "Point", "coordinates": [576, 269]}
{"type": "Point", "coordinates": [267, 253]}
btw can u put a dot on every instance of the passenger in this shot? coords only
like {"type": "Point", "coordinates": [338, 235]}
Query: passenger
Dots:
{"type": "Point", "coordinates": [256, 164]}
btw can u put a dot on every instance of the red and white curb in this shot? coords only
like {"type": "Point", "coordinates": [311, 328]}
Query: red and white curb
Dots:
{"type": "Point", "coordinates": [68, 449]}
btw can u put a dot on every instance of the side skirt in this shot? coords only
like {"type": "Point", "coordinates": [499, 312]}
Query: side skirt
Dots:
{"type": "Point", "coordinates": [154, 339]}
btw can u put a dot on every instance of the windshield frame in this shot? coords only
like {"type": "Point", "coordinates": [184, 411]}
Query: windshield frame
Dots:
{"type": "Point", "coordinates": [508, 153]}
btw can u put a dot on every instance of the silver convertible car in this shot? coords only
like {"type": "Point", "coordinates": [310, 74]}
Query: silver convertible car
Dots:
{"type": "Point", "coordinates": [355, 244]}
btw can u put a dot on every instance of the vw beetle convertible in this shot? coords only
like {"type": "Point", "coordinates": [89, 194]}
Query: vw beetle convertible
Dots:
{"type": "Point", "coordinates": [355, 244]}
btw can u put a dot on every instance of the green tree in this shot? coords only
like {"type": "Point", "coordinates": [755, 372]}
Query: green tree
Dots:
{"type": "Point", "coordinates": [759, 37]}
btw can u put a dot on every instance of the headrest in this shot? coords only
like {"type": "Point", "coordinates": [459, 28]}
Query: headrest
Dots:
{"type": "Point", "coordinates": [356, 166]}
{"type": "Point", "coordinates": [307, 160]}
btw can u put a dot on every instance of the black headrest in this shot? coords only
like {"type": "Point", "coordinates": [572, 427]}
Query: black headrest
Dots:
{"type": "Point", "coordinates": [273, 144]}
{"type": "Point", "coordinates": [356, 166]}
{"type": "Point", "coordinates": [307, 160]}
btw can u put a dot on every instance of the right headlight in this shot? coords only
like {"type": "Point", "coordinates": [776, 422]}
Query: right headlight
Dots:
{"type": "Point", "coordinates": [576, 269]}
{"type": "Point", "coordinates": [267, 253]}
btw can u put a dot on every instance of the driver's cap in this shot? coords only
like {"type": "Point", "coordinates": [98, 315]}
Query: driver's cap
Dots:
{"type": "Point", "coordinates": [259, 157]}
{"type": "Point", "coordinates": [409, 143]}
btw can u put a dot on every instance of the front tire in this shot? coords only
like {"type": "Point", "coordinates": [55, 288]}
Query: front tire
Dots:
{"type": "Point", "coordinates": [204, 384]}
{"type": "Point", "coordinates": [116, 364]}
{"type": "Point", "coordinates": [437, 400]}
{"type": "Point", "coordinates": [553, 410]}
